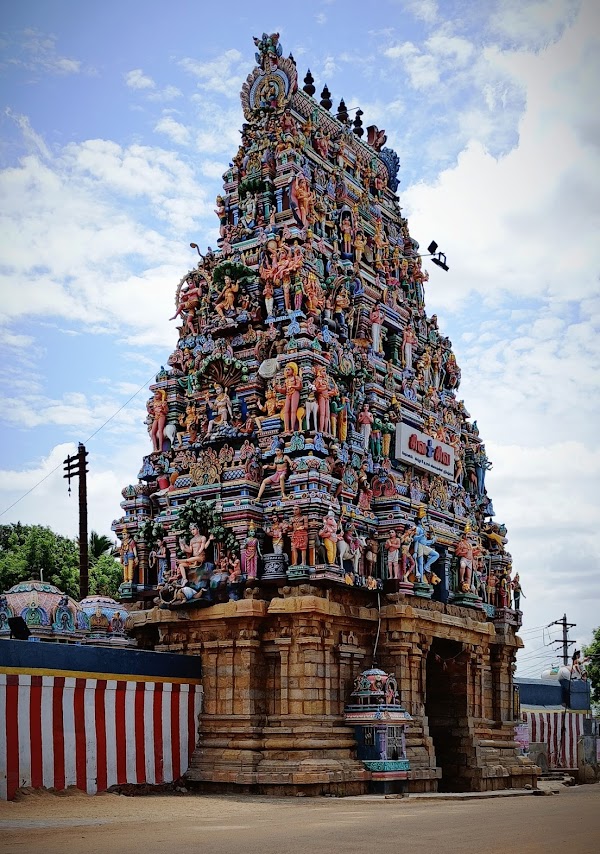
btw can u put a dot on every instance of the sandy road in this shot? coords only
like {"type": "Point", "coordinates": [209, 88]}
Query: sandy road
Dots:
{"type": "Point", "coordinates": [568, 823]}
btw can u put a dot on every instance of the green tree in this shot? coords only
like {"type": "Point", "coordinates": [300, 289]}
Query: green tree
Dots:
{"type": "Point", "coordinates": [99, 545]}
{"type": "Point", "coordinates": [593, 665]}
{"type": "Point", "coordinates": [35, 551]}
{"type": "Point", "coordinates": [105, 576]}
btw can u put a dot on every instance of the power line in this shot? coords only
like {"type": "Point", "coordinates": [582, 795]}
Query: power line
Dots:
{"type": "Point", "coordinates": [95, 433]}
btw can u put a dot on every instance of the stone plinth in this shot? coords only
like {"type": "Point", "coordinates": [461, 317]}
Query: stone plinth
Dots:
{"type": "Point", "coordinates": [278, 670]}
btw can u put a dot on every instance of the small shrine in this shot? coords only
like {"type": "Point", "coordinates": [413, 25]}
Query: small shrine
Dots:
{"type": "Point", "coordinates": [51, 615]}
{"type": "Point", "coordinates": [313, 478]}
{"type": "Point", "coordinates": [380, 724]}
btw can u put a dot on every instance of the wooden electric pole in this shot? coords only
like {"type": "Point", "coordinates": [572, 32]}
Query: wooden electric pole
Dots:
{"type": "Point", "coordinates": [565, 642]}
{"type": "Point", "coordinates": [76, 467]}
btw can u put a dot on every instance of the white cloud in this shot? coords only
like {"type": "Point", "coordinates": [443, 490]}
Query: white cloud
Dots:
{"type": "Point", "coordinates": [224, 74]}
{"type": "Point", "coordinates": [174, 130]}
{"type": "Point", "coordinates": [136, 79]}
{"type": "Point", "coordinates": [36, 51]}
{"type": "Point", "coordinates": [167, 93]}
{"type": "Point", "coordinates": [456, 49]}
{"type": "Point", "coordinates": [422, 68]}
{"type": "Point", "coordinates": [533, 23]}
{"type": "Point", "coordinates": [424, 10]}
{"type": "Point", "coordinates": [50, 504]}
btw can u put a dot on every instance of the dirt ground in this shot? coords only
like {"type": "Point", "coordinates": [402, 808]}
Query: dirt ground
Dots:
{"type": "Point", "coordinates": [44, 823]}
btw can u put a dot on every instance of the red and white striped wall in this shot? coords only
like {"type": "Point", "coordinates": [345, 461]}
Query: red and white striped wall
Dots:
{"type": "Point", "coordinates": [560, 731]}
{"type": "Point", "coordinates": [92, 733]}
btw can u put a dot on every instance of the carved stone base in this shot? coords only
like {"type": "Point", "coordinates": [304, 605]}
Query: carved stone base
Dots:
{"type": "Point", "coordinates": [279, 666]}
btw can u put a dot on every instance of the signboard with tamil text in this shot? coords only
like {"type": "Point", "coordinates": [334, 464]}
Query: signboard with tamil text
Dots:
{"type": "Point", "coordinates": [419, 449]}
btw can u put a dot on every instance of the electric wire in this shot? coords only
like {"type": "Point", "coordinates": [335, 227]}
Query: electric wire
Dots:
{"type": "Point", "coordinates": [89, 438]}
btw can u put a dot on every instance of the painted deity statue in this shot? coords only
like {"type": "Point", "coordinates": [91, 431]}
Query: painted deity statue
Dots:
{"type": "Point", "coordinates": [195, 551]}
{"type": "Point", "coordinates": [281, 465]}
{"type": "Point", "coordinates": [324, 391]}
{"type": "Point", "coordinates": [129, 556]}
{"type": "Point", "coordinates": [299, 536]}
{"type": "Point", "coordinates": [424, 554]}
{"type": "Point", "coordinates": [464, 552]}
{"type": "Point", "coordinates": [330, 536]}
{"type": "Point", "coordinates": [251, 553]}
{"type": "Point", "coordinates": [393, 546]}
{"type": "Point", "coordinates": [158, 409]}
{"type": "Point", "coordinates": [291, 386]}
{"type": "Point", "coordinates": [224, 410]}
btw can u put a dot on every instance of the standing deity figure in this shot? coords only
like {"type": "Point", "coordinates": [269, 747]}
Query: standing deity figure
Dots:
{"type": "Point", "coordinates": [195, 551]}
{"type": "Point", "coordinates": [465, 554]}
{"type": "Point", "coordinates": [299, 536]}
{"type": "Point", "coordinates": [129, 556]}
{"type": "Point", "coordinates": [517, 592]}
{"type": "Point", "coordinates": [300, 196]}
{"type": "Point", "coordinates": [324, 391]}
{"type": "Point", "coordinates": [422, 546]}
{"type": "Point", "coordinates": [371, 552]}
{"type": "Point", "coordinates": [280, 465]}
{"type": "Point", "coordinates": [409, 340]}
{"type": "Point", "coordinates": [251, 552]}
{"type": "Point", "coordinates": [360, 242]}
{"type": "Point", "coordinates": [408, 561]}
{"type": "Point", "coordinates": [482, 464]}
{"type": "Point", "coordinates": [393, 546]}
{"type": "Point", "coordinates": [221, 212]}
{"type": "Point", "coordinates": [329, 535]}
{"type": "Point", "coordinates": [268, 296]}
{"type": "Point", "coordinates": [376, 317]}
{"type": "Point", "coordinates": [365, 422]}
{"type": "Point", "coordinates": [291, 386]}
{"type": "Point", "coordinates": [161, 558]}
{"type": "Point", "coordinates": [276, 531]}
{"type": "Point", "coordinates": [158, 409]}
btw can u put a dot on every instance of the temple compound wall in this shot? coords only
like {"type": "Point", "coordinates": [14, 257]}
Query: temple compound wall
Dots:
{"type": "Point", "coordinates": [314, 501]}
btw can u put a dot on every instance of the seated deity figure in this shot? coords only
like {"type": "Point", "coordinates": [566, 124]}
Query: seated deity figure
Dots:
{"type": "Point", "coordinates": [195, 551]}
{"type": "Point", "coordinates": [224, 410]}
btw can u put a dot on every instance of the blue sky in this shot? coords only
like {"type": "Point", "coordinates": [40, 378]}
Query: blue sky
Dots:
{"type": "Point", "coordinates": [117, 121]}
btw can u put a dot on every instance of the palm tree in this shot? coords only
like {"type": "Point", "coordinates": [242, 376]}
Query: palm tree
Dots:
{"type": "Point", "coordinates": [99, 545]}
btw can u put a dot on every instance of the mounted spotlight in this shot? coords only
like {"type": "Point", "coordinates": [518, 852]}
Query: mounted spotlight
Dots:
{"type": "Point", "coordinates": [440, 261]}
{"type": "Point", "coordinates": [19, 629]}
{"type": "Point", "coordinates": [438, 258]}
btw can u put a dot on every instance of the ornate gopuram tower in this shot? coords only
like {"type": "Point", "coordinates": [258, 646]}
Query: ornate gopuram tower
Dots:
{"type": "Point", "coordinates": [314, 503]}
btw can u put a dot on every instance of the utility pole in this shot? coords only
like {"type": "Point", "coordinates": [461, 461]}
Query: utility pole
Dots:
{"type": "Point", "coordinates": [566, 643]}
{"type": "Point", "coordinates": [76, 467]}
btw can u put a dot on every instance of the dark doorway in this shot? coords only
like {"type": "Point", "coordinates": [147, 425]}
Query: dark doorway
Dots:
{"type": "Point", "coordinates": [446, 707]}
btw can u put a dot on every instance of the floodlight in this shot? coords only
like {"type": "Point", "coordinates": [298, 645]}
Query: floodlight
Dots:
{"type": "Point", "coordinates": [18, 628]}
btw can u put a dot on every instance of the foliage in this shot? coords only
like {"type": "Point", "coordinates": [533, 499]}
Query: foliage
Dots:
{"type": "Point", "coordinates": [105, 576]}
{"type": "Point", "coordinates": [150, 533]}
{"type": "Point", "coordinates": [593, 666]}
{"type": "Point", "coordinates": [99, 545]}
{"type": "Point", "coordinates": [203, 514]}
{"type": "Point", "coordinates": [35, 551]}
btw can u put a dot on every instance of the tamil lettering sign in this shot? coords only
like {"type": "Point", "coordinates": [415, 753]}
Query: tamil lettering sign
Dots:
{"type": "Point", "coordinates": [421, 450]}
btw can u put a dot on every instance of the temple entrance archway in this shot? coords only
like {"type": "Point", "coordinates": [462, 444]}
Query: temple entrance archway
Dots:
{"type": "Point", "coordinates": [446, 708]}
